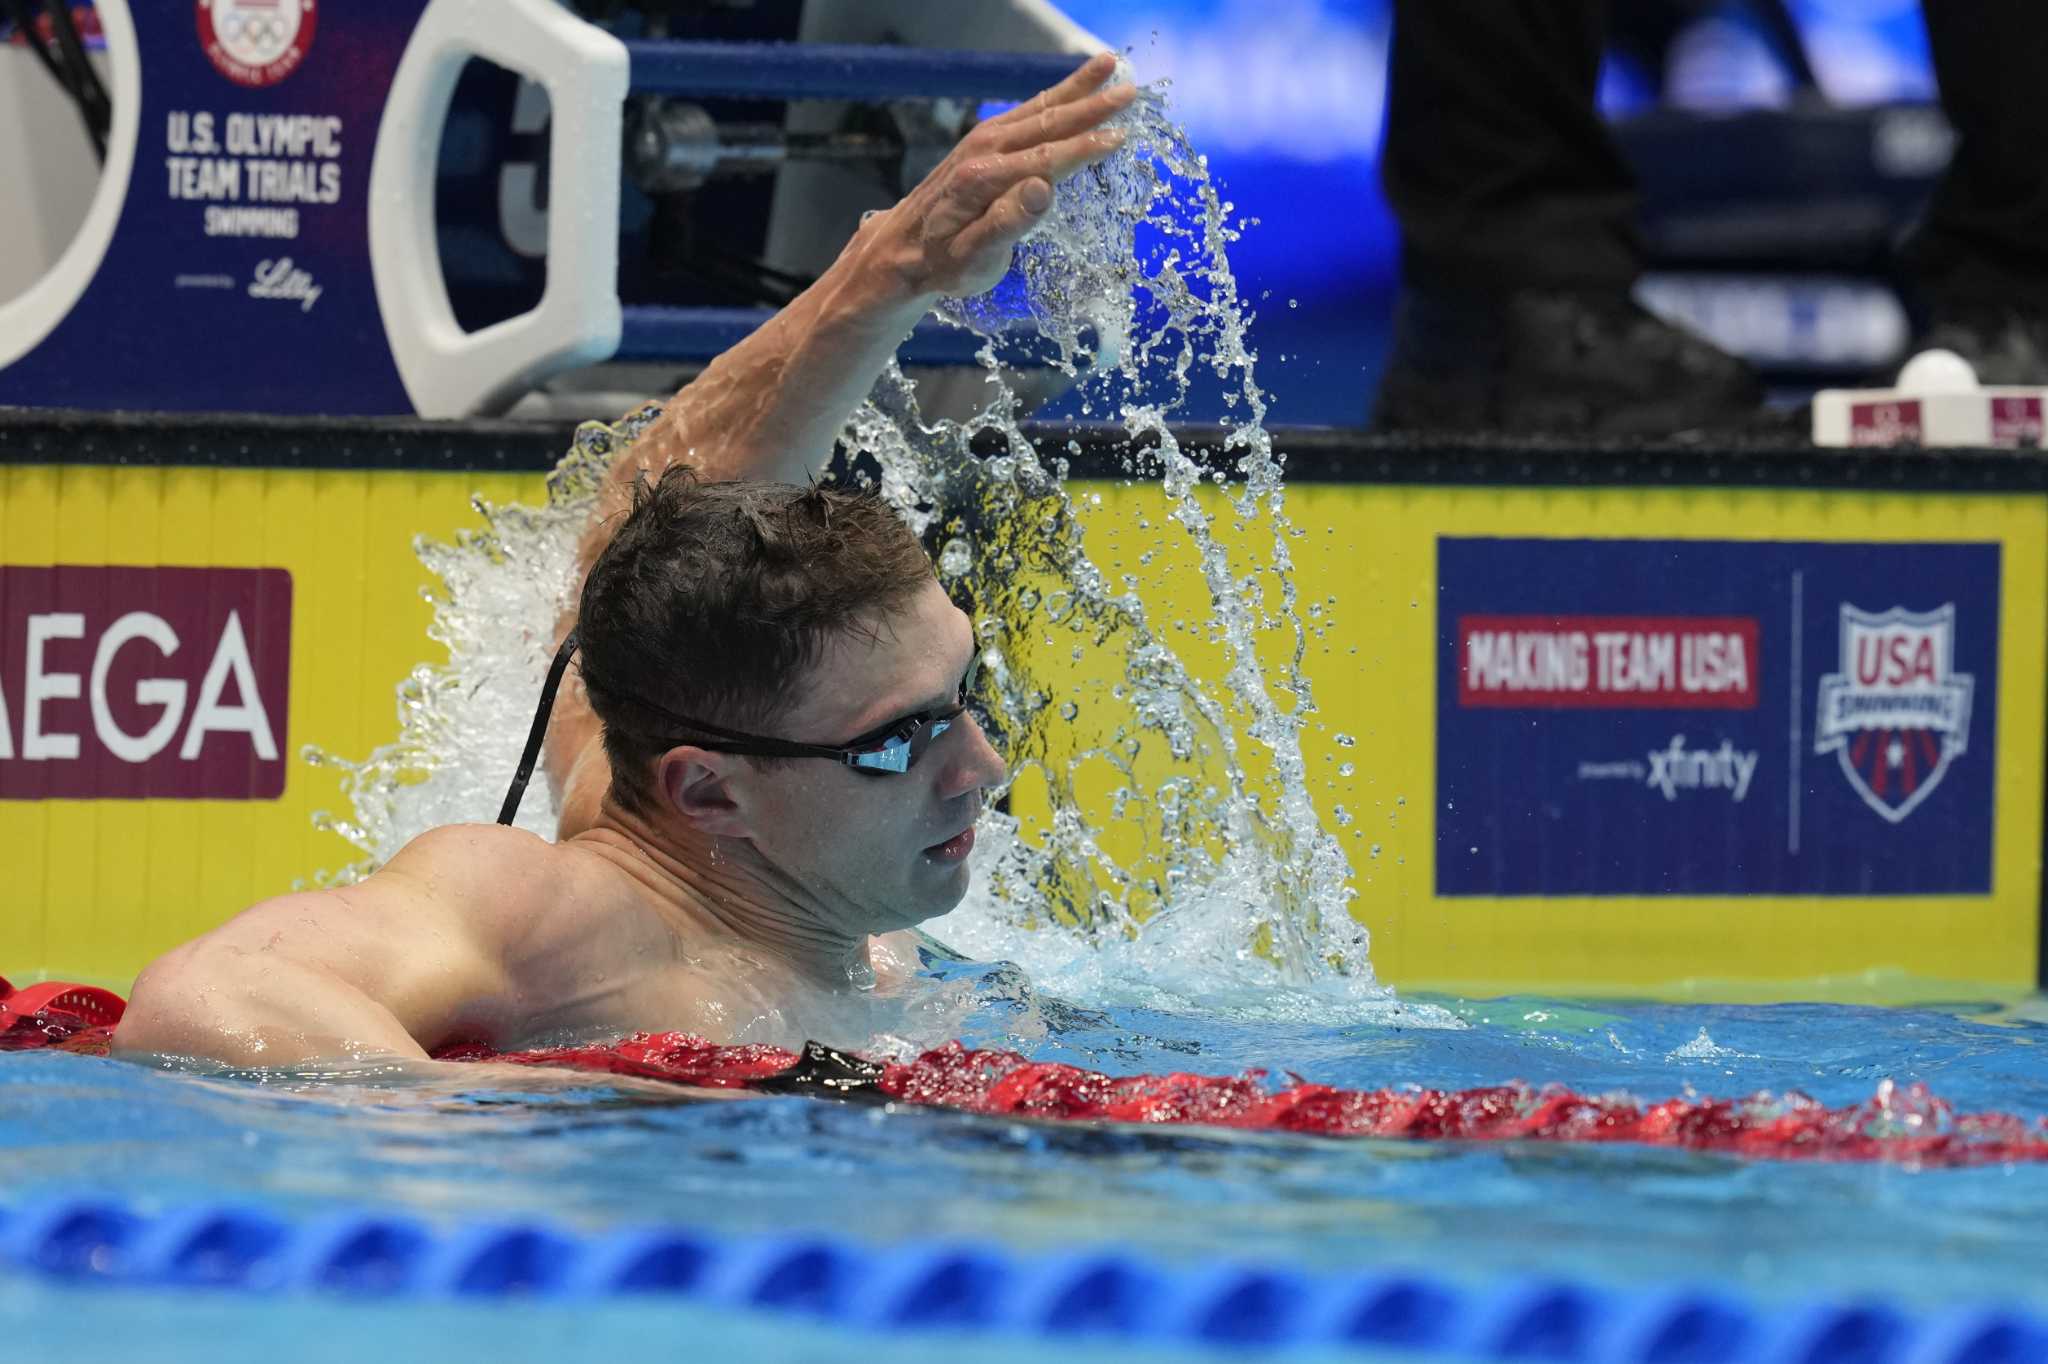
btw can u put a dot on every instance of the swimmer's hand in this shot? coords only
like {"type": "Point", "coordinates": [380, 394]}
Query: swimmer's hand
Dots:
{"type": "Point", "coordinates": [772, 406]}
{"type": "Point", "coordinates": [953, 233]}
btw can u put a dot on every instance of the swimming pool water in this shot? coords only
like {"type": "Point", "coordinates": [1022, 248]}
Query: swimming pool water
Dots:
{"type": "Point", "coordinates": [592, 1156]}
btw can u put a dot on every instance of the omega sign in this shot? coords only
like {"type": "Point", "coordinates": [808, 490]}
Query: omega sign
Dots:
{"type": "Point", "coordinates": [136, 683]}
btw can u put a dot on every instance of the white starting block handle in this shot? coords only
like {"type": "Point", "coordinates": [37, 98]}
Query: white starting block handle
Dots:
{"type": "Point", "coordinates": [448, 372]}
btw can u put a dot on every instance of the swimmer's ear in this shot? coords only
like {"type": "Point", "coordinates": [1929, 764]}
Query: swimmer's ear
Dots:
{"type": "Point", "coordinates": [694, 783]}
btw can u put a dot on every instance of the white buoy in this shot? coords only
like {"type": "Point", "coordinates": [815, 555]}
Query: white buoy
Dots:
{"type": "Point", "coordinates": [1938, 371]}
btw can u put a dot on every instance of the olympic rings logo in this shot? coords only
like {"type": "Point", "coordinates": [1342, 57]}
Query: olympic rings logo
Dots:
{"type": "Point", "coordinates": [257, 30]}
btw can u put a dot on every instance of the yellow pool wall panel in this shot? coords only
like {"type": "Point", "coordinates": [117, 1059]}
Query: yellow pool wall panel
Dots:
{"type": "Point", "coordinates": [96, 888]}
{"type": "Point", "coordinates": [1374, 548]}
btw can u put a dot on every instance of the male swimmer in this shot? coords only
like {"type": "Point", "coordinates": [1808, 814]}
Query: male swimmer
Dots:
{"type": "Point", "coordinates": [767, 772]}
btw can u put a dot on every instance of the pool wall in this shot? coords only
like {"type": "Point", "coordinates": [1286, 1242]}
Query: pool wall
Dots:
{"type": "Point", "coordinates": [1576, 704]}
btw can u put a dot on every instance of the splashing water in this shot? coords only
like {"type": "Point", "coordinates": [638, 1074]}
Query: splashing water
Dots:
{"type": "Point", "coordinates": [461, 724]}
{"type": "Point", "coordinates": [1167, 851]}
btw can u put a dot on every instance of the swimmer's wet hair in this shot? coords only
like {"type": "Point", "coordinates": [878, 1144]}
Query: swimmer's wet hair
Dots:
{"type": "Point", "coordinates": [714, 600]}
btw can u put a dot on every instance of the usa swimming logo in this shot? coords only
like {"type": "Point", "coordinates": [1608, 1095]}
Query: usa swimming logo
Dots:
{"type": "Point", "coordinates": [1898, 713]}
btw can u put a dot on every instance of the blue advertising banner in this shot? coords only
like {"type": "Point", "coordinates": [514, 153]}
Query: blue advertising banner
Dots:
{"type": "Point", "coordinates": [264, 238]}
{"type": "Point", "coordinates": [1690, 717]}
{"type": "Point", "coordinates": [238, 275]}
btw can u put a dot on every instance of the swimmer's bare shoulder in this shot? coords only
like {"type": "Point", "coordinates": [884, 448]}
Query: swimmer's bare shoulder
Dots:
{"type": "Point", "coordinates": [436, 946]}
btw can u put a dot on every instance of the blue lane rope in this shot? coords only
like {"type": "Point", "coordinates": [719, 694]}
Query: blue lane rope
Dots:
{"type": "Point", "coordinates": [228, 1247]}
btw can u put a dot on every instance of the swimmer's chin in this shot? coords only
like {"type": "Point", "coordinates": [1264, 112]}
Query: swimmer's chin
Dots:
{"type": "Point", "coordinates": [957, 879]}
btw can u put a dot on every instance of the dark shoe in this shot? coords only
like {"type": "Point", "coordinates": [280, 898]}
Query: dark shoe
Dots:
{"type": "Point", "coordinates": [2004, 344]}
{"type": "Point", "coordinates": [1559, 362]}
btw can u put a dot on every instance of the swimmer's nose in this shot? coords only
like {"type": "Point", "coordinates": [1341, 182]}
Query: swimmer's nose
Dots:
{"type": "Point", "coordinates": [974, 764]}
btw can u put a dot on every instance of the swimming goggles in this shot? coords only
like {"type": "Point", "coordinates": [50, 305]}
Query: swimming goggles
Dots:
{"type": "Point", "coordinates": [894, 747]}
{"type": "Point", "coordinates": [891, 748]}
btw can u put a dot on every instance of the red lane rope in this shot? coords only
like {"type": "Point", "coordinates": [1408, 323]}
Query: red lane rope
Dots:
{"type": "Point", "coordinates": [1908, 1125]}
{"type": "Point", "coordinates": [1898, 1124]}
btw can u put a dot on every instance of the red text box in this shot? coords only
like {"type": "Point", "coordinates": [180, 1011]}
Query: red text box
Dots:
{"type": "Point", "coordinates": [143, 683]}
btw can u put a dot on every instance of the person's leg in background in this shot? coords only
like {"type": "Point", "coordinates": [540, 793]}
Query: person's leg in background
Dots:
{"type": "Point", "coordinates": [1980, 256]}
{"type": "Point", "coordinates": [1519, 237]}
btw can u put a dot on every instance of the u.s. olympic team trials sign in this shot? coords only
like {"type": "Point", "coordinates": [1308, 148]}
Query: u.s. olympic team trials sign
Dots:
{"type": "Point", "coordinates": [1650, 717]}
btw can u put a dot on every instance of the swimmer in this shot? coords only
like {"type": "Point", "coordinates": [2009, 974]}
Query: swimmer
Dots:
{"type": "Point", "coordinates": [765, 765]}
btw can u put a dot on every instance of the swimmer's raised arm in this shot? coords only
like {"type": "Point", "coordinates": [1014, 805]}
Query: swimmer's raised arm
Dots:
{"type": "Point", "coordinates": [771, 407]}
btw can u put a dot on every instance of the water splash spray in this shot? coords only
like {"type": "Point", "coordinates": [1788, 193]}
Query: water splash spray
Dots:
{"type": "Point", "coordinates": [1179, 856]}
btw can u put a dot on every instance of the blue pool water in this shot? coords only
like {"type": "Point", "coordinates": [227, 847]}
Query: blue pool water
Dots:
{"type": "Point", "coordinates": [590, 1156]}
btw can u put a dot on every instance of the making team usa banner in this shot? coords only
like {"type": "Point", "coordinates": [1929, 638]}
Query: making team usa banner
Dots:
{"type": "Point", "coordinates": [1684, 717]}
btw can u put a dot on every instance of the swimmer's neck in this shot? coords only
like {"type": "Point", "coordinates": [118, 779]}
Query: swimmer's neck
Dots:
{"type": "Point", "coordinates": [721, 891]}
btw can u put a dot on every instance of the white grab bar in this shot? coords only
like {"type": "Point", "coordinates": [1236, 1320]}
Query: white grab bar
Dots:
{"type": "Point", "coordinates": [448, 372]}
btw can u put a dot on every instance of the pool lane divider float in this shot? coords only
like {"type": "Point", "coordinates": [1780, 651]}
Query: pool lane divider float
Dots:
{"type": "Point", "coordinates": [1904, 1125]}
{"type": "Point", "coordinates": [89, 1241]}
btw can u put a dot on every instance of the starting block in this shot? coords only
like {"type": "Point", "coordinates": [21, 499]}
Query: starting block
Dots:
{"type": "Point", "coordinates": [269, 232]}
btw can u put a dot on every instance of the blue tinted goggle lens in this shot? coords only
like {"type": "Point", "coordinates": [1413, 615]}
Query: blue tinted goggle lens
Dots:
{"type": "Point", "coordinates": [901, 752]}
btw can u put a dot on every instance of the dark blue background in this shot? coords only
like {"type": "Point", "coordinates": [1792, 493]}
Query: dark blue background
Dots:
{"type": "Point", "coordinates": [1507, 779]}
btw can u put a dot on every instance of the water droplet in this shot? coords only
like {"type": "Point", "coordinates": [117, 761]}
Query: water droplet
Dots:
{"type": "Point", "coordinates": [956, 558]}
{"type": "Point", "coordinates": [1346, 741]}
{"type": "Point", "coordinates": [1348, 769]}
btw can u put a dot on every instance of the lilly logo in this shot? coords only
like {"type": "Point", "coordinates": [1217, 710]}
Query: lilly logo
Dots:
{"type": "Point", "coordinates": [1898, 713]}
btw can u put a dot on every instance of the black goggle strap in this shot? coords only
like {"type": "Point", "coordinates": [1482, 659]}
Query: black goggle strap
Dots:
{"type": "Point", "coordinates": [876, 754]}
{"type": "Point", "coordinates": [539, 730]}
{"type": "Point", "coordinates": [736, 741]}
{"type": "Point", "coordinates": [733, 740]}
